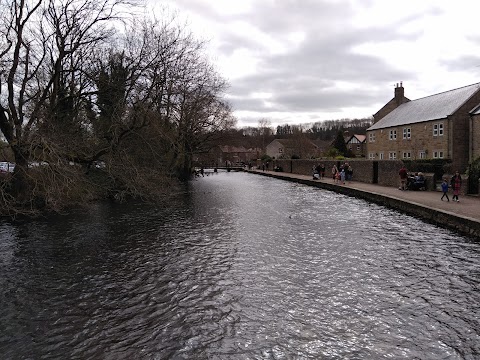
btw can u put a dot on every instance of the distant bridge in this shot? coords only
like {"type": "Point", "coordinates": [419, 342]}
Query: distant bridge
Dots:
{"type": "Point", "coordinates": [228, 168]}
{"type": "Point", "coordinates": [213, 169]}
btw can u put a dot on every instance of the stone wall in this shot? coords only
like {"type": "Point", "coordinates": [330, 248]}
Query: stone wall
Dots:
{"type": "Point", "coordinates": [363, 171]}
{"type": "Point", "coordinates": [388, 172]}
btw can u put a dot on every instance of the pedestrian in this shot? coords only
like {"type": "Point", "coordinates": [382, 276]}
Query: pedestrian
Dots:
{"type": "Point", "coordinates": [445, 189]}
{"type": "Point", "coordinates": [322, 171]}
{"type": "Point", "coordinates": [349, 173]}
{"type": "Point", "coordinates": [403, 178]}
{"type": "Point", "coordinates": [334, 172]}
{"type": "Point", "coordinates": [456, 183]}
{"type": "Point", "coordinates": [342, 176]}
{"type": "Point", "coordinates": [337, 177]}
{"type": "Point", "coordinates": [316, 172]}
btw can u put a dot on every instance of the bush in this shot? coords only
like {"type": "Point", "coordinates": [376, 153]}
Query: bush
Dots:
{"type": "Point", "coordinates": [436, 166]}
{"type": "Point", "coordinates": [266, 158]}
{"type": "Point", "coordinates": [473, 173]}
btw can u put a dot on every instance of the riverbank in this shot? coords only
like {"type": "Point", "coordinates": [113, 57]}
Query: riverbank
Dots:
{"type": "Point", "coordinates": [463, 216]}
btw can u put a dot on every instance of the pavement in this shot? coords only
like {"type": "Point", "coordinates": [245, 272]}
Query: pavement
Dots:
{"type": "Point", "coordinates": [467, 208]}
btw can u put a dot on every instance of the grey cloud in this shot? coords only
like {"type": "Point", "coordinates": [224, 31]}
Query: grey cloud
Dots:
{"type": "Point", "coordinates": [302, 80]}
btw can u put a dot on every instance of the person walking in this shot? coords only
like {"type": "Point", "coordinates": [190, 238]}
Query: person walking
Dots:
{"type": "Point", "coordinates": [334, 172]}
{"type": "Point", "coordinates": [342, 176]}
{"type": "Point", "coordinates": [403, 178]}
{"type": "Point", "coordinates": [322, 171]}
{"type": "Point", "coordinates": [456, 183]}
{"type": "Point", "coordinates": [445, 189]}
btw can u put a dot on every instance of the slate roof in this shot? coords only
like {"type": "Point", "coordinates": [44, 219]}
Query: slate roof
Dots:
{"type": "Point", "coordinates": [432, 107]}
{"type": "Point", "coordinates": [360, 138]}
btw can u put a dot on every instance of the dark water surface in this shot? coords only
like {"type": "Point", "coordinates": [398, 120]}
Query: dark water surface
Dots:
{"type": "Point", "coordinates": [239, 267]}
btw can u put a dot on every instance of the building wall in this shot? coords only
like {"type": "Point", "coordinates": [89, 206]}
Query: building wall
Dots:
{"type": "Point", "coordinates": [475, 137]}
{"type": "Point", "coordinates": [275, 149]}
{"type": "Point", "coordinates": [461, 133]}
{"type": "Point", "coordinates": [421, 139]}
{"type": "Point", "coordinates": [357, 148]}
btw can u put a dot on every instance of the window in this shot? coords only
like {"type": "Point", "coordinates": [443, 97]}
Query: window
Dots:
{"type": "Point", "coordinates": [280, 150]}
{"type": "Point", "coordinates": [407, 154]}
{"type": "Point", "coordinates": [393, 135]}
{"type": "Point", "coordinates": [371, 137]}
{"type": "Point", "coordinates": [422, 154]}
{"type": "Point", "coordinates": [371, 156]}
{"type": "Point", "coordinates": [358, 147]}
{"type": "Point", "coordinates": [407, 133]}
{"type": "Point", "coordinates": [438, 154]}
{"type": "Point", "coordinates": [438, 129]}
{"type": "Point", "coordinates": [381, 156]}
{"type": "Point", "coordinates": [392, 155]}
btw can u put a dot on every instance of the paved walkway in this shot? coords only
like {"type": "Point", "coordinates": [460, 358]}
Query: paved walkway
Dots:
{"type": "Point", "coordinates": [468, 207]}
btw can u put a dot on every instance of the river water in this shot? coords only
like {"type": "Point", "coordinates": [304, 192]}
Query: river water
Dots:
{"type": "Point", "coordinates": [239, 266]}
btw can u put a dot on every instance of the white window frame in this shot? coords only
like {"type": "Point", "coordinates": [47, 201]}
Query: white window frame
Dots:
{"type": "Point", "coordinates": [407, 155]}
{"type": "Point", "coordinates": [381, 155]}
{"type": "Point", "coordinates": [392, 155]}
{"type": "Point", "coordinates": [438, 154]}
{"type": "Point", "coordinates": [371, 137]}
{"type": "Point", "coordinates": [422, 154]}
{"type": "Point", "coordinates": [407, 133]}
{"type": "Point", "coordinates": [393, 135]}
{"type": "Point", "coordinates": [438, 129]}
{"type": "Point", "coordinates": [371, 155]}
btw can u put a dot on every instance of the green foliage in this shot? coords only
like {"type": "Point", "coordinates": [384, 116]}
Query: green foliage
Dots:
{"type": "Point", "coordinates": [265, 158]}
{"type": "Point", "coordinates": [436, 166]}
{"type": "Point", "coordinates": [332, 153]}
{"type": "Point", "coordinates": [340, 157]}
{"type": "Point", "coordinates": [473, 173]}
{"type": "Point", "coordinates": [339, 143]}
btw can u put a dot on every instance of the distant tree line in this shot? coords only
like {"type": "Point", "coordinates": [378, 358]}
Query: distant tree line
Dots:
{"type": "Point", "coordinates": [329, 130]}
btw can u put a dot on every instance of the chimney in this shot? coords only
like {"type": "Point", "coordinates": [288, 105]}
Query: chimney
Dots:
{"type": "Point", "coordinates": [399, 93]}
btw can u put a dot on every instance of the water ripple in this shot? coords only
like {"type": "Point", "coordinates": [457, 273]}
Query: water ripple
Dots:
{"type": "Point", "coordinates": [242, 267]}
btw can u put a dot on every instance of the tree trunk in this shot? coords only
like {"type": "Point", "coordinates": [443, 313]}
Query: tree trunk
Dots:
{"type": "Point", "coordinates": [21, 185]}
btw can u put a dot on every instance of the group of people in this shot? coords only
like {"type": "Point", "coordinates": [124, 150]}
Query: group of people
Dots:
{"type": "Point", "coordinates": [342, 174]}
{"type": "Point", "coordinates": [318, 171]}
{"type": "Point", "coordinates": [409, 182]}
{"type": "Point", "coordinates": [455, 183]}
{"type": "Point", "coordinates": [339, 175]}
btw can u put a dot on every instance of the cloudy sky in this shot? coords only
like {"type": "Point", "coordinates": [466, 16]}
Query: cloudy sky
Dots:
{"type": "Point", "coordinates": [303, 61]}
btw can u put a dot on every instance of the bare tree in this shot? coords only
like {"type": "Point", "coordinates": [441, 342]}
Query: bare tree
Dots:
{"type": "Point", "coordinates": [42, 78]}
{"type": "Point", "coordinates": [75, 90]}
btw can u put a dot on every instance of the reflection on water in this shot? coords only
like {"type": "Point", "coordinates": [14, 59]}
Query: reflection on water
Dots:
{"type": "Point", "coordinates": [238, 267]}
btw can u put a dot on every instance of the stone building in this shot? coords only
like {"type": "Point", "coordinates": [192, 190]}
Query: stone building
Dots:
{"type": "Point", "coordinates": [286, 148]}
{"type": "Point", "coordinates": [357, 144]}
{"type": "Point", "coordinates": [440, 126]}
{"type": "Point", "coordinates": [475, 133]}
